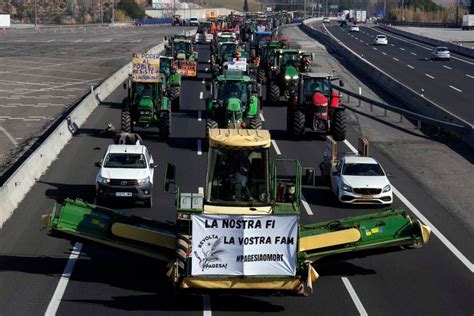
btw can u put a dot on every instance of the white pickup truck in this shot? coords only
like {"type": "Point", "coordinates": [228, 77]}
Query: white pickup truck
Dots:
{"type": "Point", "coordinates": [126, 171]}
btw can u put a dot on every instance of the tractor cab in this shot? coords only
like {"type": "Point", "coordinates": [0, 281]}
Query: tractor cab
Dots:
{"type": "Point", "coordinates": [182, 49]}
{"type": "Point", "coordinates": [312, 82]}
{"type": "Point", "coordinates": [176, 20]}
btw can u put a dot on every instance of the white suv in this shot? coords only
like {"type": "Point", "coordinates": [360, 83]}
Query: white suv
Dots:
{"type": "Point", "coordinates": [361, 180]}
{"type": "Point", "coordinates": [126, 171]}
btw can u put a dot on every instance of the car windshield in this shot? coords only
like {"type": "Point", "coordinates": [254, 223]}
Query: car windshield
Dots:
{"type": "Point", "coordinates": [442, 49]}
{"type": "Point", "coordinates": [238, 177]}
{"type": "Point", "coordinates": [310, 85]}
{"type": "Point", "coordinates": [362, 169]}
{"type": "Point", "coordinates": [233, 89]}
{"type": "Point", "coordinates": [290, 59]}
{"type": "Point", "coordinates": [381, 36]}
{"type": "Point", "coordinates": [122, 160]}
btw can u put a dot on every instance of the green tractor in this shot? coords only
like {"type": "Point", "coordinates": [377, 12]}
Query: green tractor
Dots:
{"type": "Point", "coordinates": [173, 82]}
{"type": "Point", "coordinates": [265, 56]}
{"type": "Point", "coordinates": [303, 114]}
{"type": "Point", "coordinates": [283, 75]}
{"type": "Point", "coordinates": [147, 103]}
{"type": "Point", "coordinates": [181, 48]}
{"type": "Point", "coordinates": [243, 235]}
{"type": "Point", "coordinates": [225, 51]}
{"type": "Point", "coordinates": [234, 102]}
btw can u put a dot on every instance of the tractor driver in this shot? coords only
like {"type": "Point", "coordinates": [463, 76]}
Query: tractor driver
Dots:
{"type": "Point", "coordinates": [145, 90]}
{"type": "Point", "coordinates": [233, 90]}
{"type": "Point", "coordinates": [242, 172]}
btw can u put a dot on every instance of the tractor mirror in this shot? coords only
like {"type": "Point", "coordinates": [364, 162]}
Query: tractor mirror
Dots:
{"type": "Point", "coordinates": [341, 83]}
{"type": "Point", "coordinates": [170, 176]}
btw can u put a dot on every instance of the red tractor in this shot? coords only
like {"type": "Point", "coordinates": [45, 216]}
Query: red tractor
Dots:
{"type": "Point", "coordinates": [316, 106]}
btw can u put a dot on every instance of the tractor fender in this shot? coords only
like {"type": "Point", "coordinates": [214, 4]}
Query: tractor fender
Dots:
{"type": "Point", "coordinates": [165, 104]}
{"type": "Point", "coordinates": [253, 105]}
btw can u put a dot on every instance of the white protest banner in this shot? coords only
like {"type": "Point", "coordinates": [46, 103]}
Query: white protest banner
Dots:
{"type": "Point", "coordinates": [236, 245]}
{"type": "Point", "coordinates": [146, 68]}
{"type": "Point", "coordinates": [234, 64]}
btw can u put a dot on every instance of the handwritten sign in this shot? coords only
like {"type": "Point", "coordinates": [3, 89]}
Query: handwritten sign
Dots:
{"type": "Point", "coordinates": [146, 68]}
{"type": "Point", "coordinates": [241, 245]}
{"type": "Point", "coordinates": [186, 68]}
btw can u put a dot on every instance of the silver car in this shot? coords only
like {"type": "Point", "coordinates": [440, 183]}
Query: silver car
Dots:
{"type": "Point", "coordinates": [440, 52]}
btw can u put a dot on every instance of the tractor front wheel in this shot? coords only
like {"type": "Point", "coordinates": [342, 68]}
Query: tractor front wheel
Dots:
{"type": "Point", "coordinates": [255, 123]}
{"type": "Point", "coordinates": [261, 76]}
{"type": "Point", "coordinates": [210, 124]}
{"type": "Point", "coordinates": [297, 120]}
{"type": "Point", "coordinates": [164, 124]}
{"type": "Point", "coordinates": [273, 93]}
{"type": "Point", "coordinates": [175, 96]}
{"type": "Point", "coordinates": [126, 121]}
{"type": "Point", "coordinates": [339, 126]}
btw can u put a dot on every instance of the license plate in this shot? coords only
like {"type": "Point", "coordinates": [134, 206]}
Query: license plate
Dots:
{"type": "Point", "coordinates": [367, 197]}
{"type": "Point", "coordinates": [123, 193]}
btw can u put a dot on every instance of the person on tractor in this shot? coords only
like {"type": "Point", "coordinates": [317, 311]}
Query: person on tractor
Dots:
{"type": "Point", "coordinates": [290, 59]}
{"type": "Point", "coordinates": [241, 177]}
{"type": "Point", "coordinates": [145, 90]}
{"type": "Point", "coordinates": [181, 47]}
{"type": "Point", "coordinates": [235, 90]}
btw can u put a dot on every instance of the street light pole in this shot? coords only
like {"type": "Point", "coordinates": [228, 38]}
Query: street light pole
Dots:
{"type": "Point", "coordinates": [36, 21]}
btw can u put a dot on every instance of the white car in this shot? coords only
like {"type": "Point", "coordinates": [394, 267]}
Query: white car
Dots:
{"type": "Point", "coordinates": [380, 40]}
{"type": "Point", "coordinates": [440, 52]}
{"type": "Point", "coordinates": [354, 28]}
{"type": "Point", "coordinates": [194, 21]}
{"type": "Point", "coordinates": [126, 171]}
{"type": "Point", "coordinates": [326, 20]}
{"type": "Point", "coordinates": [361, 180]}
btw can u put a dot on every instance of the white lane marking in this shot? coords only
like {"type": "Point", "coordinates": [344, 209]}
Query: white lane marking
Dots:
{"type": "Point", "coordinates": [203, 81]}
{"type": "Point", "coordinates": [9, 136]}
{"type": "Point", "coordinates": [447, 67]}
{"type": "Point", "coordinates": [199, 147]}
{"type": "Point", "coordinates": [454, 88]}
{"type": "Point", "coordinates": [361, 41]}
{"type": "Point", "coordinates": [384, 53]}
{"type": "Point", "coordinates": [414, 54]}
{"type": "Point", "coordinates": [261, 117]}
{"type": "Point", "coordinates": [375, 48]}
{"type": "Point", "coordinates": [207, 69]}
{"type": "Point", "coordinates": [199, 116]}
{"type": "Point", "coordinates": [108, 40]}
{"type": "Point", "coordinates": [206, 305]}
{"type": "Point", "coordinates": [354, 296]}
{"type": "Point", "coordinates": [201, 190]}
{"type": "Point", "coordinates": [410, 66]}
{"type": "Point", "coordinates": [61, 288]}
{"type": "Point", "coordinates": [470, 76]}
{"type": "Point", "coordinates": [51, 40]}
{"type": "Point", "coordinates": [79, 40]}
{"type": "Point", "coordinates": [420, 216]}
{"type": "Point", "coordinates": [276, 147]}
{"type": "Point", "coordinates": [306, 205]}
{"type": "Point", "coordinates": [429, 76]}
{"type": "Point", "coordinates": [402, 48]}
{"type": "Point", "coordinates": [392, 45]}
{"type": "Point", "coordinates": [200, 95]}
{"type": "Point", "coordinates": [396, 59]}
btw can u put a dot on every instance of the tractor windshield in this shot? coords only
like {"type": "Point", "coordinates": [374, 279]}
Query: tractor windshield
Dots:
{"type": "Point", "coordinates": [290, 59]}
{"type": "Point", "coordinates": [233, 89]}
{"type": "Point", "coordinates": [310, 86]}
{"type": "Point", "coordinates": [144, 90]}
{"type": "Point", "coordinates": [238, 177]}
{"type": "Point", "coordinates": [165, 66]}
{"type": "Point", "coordinates": [228, 49]}
{"type": "Point", "coordinates": [183, 47]}
{"type": "Point", "coordinates": [204, 27]}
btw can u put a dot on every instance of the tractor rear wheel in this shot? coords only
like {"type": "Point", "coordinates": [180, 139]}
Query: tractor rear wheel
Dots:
{"type": "Point", "coordinates": [175, 96]}
{"type": "Point", "coordinates": [339, 126]}
{"type": "Point", "coordinates": [126, 121]}
{"type": "Point", "coordinates": [273, 92]}
{"type": "Point", "coordinates": [297, 123]}
{"type": "Point", "coordinates": [255, 123]}
{"type": "Point", "coordinates": [164, 124]}
{"type": "Point", "coordinates": [210, 124]}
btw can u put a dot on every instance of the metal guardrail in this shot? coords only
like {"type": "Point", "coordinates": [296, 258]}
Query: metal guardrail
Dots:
{"type": "Point", "coordinates": [403, 112]}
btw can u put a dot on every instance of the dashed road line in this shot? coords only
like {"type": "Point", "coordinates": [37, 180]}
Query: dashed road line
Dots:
{"type": "Point", "coordinates": [354, 296]}
{"type": "Point", "coordinates": [410, 66]}
{"type": "Point", "coordinates": [447, 67]}
{"type": "Point", "coordinates": [306, 205]}
{"type": "Point", "coordinates": [392, 45]}
{"type": "Point", "coordinates": [206, 305]}
{"type": "Point", "coordinates": [261, 117]}
{"type": "Point", "coordinates": [414, 54]}
{"type": "Point", "coordinates": [429, 76]}
{"type": "Point", "coordinates": [63, 281]}
{"type": "Point", "coordinates": [470, 76]}
{"type": "Point", "coordinates": [375, 48]}
{"type": "Point", "coordinates": [199, 147]}
{"type": "Point", "coordinates": [200, 95]}
{"type": "Point", "coordinates": [402, 48]}
{"type": "Point", "coordinates": [396, 59]}
{"type": "Point", "coordinates": [199, 116]}
{"type": "Point", "coordinates": [9, 136]}
{"type": "Point", "coordinates": [454, 88]}
{"type": "Point", "coordinates": [384, 53]}
{"type": "Point", "coordinates": [275, 146]}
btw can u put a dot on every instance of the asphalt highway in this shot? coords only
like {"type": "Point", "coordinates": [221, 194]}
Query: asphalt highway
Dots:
{"type": "Point", "coordinates": [430, 280]}
{"type": "Point", "coordinates": [44, 73]}
{"type": "Point", "coordinates": [447, 83]}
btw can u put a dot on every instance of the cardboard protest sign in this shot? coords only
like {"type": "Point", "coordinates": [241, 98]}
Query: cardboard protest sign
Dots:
{"type": "Point", "coordinates": [237, 245]}
{"type": "Point", "coordinates": [146, 68]}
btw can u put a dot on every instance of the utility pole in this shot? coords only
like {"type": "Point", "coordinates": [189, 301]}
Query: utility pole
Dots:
{"type": "Point", "coordinates": [113, 11]}
{"type": "Point", "coordinates": [36, 20]}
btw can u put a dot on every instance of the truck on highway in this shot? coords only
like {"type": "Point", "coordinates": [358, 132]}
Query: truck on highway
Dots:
{"type": "Point", "coordinates": [468, 22]}
{"type": "Point", "coordinates": [243, 234]}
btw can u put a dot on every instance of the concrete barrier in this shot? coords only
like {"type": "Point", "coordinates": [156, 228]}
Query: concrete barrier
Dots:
{"type": "Point", "coordinates": [24, 177]}
{"type": "Point", "coordinates": [412, 99]}
{"type": "Point", "coordinates": [464, 51]}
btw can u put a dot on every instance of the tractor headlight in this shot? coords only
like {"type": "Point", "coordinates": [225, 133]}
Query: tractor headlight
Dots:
{"type": "Point", "coordinates": [294, 77]}
{"type": "Point", "coordinates": [386, 188]}
{"type": "Point", "coordinates": [346, 187]}
{"type": "Point", "coordinates": [144, 181]}
{"type": "Point", "coordinates": [103, 180]}
{"type": "Point", "coordinates": [287, 77]}
{"type": "Point", "coordinates": [144, 112]}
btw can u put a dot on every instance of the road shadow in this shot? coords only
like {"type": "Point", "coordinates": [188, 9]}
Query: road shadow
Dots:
{"type": "Point", "coordinates": [278, 134]}
{"type": "Point", "coordinates": [332, 267]}
{"type": "Point", "coordinates": [60, 191]}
